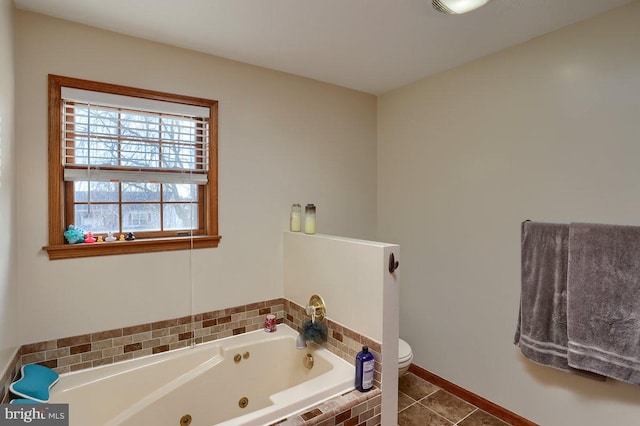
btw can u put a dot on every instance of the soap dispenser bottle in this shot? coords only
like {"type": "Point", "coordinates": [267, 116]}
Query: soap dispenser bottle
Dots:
{"type": "Point", "coordinates": [365, 365]}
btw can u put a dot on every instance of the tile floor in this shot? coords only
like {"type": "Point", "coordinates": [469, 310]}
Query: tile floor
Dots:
{"type": "Point", "coordinates": [421, 403]}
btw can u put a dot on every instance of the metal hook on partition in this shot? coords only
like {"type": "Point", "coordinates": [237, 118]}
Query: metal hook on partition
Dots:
{"type": "Point", "coordinates": [393, 263]}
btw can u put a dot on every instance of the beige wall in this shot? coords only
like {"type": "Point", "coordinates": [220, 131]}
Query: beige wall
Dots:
{"type": "Point", "coordinates": [8, 289]}
{"type": "Point", "coordinates": [548, 130]}
{"type": "Point", "coordinates": [283, 139]}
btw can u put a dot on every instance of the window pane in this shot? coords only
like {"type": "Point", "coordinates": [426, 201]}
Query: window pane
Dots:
{"type": "Point", "coordinates": [179, 192]}
{"type": "Point", "coordinates": [140, 192]}
{"type": "Point", "coordinates": [140, 126]}
{"type": "Point", "coordinates": [100, 122]}
{"type": "Point", "coordinates": [179, 157]}
{"type": "Point", "coordinates": [180, 216]}
{"type": "Point", "coordinates": [140, 217]}
{"type": "Point", "coordinates": [97, 218]}
{"type": "Point", "coordinates": [103, 122]}
{"type": "Point", "coordinates": [181, 152]}
{"type": "Point", "coordinates": [178, 129]}
{"type": "Point", "coordinates": [139, 154]}
{"type": "Point", "coordinates": [101, 152]}
{"type": "Point", "coordinates": [97, 152]}
{"type": "Point", "coordinates": [101, 192]}
{"type": "Point", "coordinates": [140, 144]}
{"type": "Point", "coordinates": [95, 130]}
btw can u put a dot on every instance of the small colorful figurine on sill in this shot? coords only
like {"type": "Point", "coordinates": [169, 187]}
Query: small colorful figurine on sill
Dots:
{"type": "Point", "coordinates": [121, 237]}
{"type": "Point", "coordinates": [100, 240]}
{"type": "Point", "coordinates": [74, 235]}
{"type": "Point", "coordinates": [130, 237]}
{"type": "Point", "coordinates": [110, 237]}
{"type": "Point", "coordinates": [90, 239]}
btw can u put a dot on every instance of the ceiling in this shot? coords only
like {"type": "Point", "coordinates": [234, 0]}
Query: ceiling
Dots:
{"type": "Point", "coordinates": [369, 45]}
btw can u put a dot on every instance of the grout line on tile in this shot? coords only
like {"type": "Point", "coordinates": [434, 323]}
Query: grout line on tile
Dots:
{"type": "Point", "coordinates": [460, 421]}
{"type": "Point", "coordinates": [428, 395]}
{"type": "Point", "coordinates": [410, 405]}
{"type": "Point", "coordinates": [412, 399]}
{"type": "Point", "coordinates": [407, 395]}
{"type": "Point", "coordinates": [437, 414]}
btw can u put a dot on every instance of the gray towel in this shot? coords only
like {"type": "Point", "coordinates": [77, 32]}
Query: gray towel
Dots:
{"type": "Point", "coordinates": [604, 300]}
{"type": "Point", "coordinates": [542, 326]}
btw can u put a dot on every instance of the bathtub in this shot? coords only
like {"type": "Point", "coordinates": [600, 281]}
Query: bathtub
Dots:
{"type": "Point", "coordinates": [206, 383]}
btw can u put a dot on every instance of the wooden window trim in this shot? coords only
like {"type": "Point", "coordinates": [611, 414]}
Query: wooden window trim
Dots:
{"type": "Point", "coordinates": [57, 249]}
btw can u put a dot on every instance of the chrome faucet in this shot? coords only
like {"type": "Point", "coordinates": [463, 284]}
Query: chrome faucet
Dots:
{"type": "Point", "coordinates": [301, 342]}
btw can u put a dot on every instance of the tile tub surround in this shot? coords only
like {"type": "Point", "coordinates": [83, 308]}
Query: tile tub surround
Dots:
{"type": "Point", "coordinates": [106, 347]}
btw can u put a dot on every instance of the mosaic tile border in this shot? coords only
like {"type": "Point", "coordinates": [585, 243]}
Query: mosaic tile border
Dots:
{"type": "Point", "coordinates": [121, 344]}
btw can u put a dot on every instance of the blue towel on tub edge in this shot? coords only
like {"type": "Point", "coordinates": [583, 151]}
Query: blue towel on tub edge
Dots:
{"type": "Point", "coordinates": [35, 383]}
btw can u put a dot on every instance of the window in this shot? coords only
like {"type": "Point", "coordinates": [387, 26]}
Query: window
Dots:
{"type": "Point", "coordinates": [130, 160]}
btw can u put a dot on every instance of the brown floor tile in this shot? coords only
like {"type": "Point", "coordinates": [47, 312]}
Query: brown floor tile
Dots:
{"type": "Point", "coordinates": [481, 418]}
{"type": "Point", "coordinates": [415, 387]}
{"type": "Point", "coordinates": [448, 406]}
{"type": "Point", "coordinates": [417, 415]}
{"type": "Point", "coordinates": [436, 406]}
{"type": "Point", "coordinates": [404, 401]}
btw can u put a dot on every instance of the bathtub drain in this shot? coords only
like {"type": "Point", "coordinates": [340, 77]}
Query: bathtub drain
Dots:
{"type": "Point", "coordinates": [244, 401]}
{"type": "Point", "coordinates": [185, 420]}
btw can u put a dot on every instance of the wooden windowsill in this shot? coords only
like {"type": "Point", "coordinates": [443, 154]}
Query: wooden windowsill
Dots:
{"type": "Point", "coordinates": [147, 245]}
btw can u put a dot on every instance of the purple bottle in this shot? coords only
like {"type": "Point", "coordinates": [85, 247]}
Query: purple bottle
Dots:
{"type": "Point", "coordinates": [365, 364]}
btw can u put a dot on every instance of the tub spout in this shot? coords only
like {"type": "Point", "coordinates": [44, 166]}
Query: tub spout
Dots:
{"type": "Point", "coordinates": [300, 342]}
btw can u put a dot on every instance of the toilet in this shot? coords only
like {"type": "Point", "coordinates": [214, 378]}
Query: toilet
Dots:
{"type": "Point", "coordinates": [405, 356]}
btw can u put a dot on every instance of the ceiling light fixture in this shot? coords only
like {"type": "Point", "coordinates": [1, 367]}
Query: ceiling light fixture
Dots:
{"type": "Point", "coordinates": [457, 7]}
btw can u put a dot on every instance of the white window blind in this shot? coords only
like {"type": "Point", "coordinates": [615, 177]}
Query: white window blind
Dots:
{"type": "Point", "coordinates": [115, 140]}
